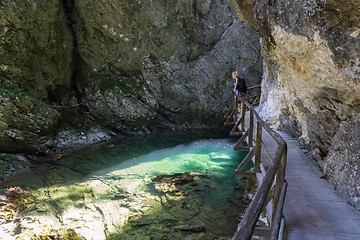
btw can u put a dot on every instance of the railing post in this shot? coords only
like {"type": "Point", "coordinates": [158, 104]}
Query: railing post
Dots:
{"type": "Point", "coordinates": [243, 114]}
{"type": "Point", "coordinates": [251, 128]}
{"type": "Point", "coordinates": [258, 146]}
{"type": "Point", "coordinates": [236, 102]}
{"type": "Point", "coordinates": [279, 182]}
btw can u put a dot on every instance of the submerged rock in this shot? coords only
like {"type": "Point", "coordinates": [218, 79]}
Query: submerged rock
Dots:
{"type": "Point", "coordinates": [189, 210]}
{"type": "Point", "coordinates": [172, 183]}
{"type": "Point", "coordinates": [54, 234]}
{"type": "Point", "coordinates": [130, 190]}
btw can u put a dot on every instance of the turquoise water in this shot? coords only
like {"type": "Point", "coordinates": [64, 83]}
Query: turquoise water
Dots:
{"type": "Point", "coordinates": [136, 189]}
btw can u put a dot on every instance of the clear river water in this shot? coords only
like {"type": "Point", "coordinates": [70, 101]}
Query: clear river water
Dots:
{"type": "Point", "coordinates": [174, 187]}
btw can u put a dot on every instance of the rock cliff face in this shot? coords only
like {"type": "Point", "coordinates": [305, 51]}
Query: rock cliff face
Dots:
{"type": "Point", "coordinates": [311, 81]}
{"type": "Point", "coordinates": [157, 65]}
{"type": "Point", "coordinates": [35, 51]}
{"type": "Point", "coordinates": [70, 69]}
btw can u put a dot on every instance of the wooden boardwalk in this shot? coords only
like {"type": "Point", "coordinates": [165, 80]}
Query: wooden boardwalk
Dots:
{"type": "Point", "coordinates": [312, 209]}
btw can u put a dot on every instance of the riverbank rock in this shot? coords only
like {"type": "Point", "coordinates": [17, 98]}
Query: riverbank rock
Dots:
{"type": "Point", "coordinates": [27, 124]}
{"type": "Point", "coordinates": [311, 84]}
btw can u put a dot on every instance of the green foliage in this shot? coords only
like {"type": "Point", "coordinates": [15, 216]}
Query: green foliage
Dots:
{"type": "Point", "coordinates": [110, 83]}
{"type": "Point", "coordinates": [15, 92]}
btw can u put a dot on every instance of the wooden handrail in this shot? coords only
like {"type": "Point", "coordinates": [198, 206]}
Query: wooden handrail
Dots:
{"type": "Point", "coordinates": [272, 186]}
{"type": "Point", "coordinates": [253, 96]}
{"type": "Point", "coordinates": [256, 86]}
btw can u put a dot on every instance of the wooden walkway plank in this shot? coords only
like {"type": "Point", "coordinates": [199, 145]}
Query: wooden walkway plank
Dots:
{"type": "Point", "coordinates": [312, 208]}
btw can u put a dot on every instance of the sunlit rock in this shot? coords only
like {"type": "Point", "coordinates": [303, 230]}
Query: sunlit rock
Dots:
{"type": "Point", "coordinates": [311, 81]}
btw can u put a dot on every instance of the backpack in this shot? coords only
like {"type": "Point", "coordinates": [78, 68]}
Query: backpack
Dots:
{"type": "Point", "coordinates": [241, 86]}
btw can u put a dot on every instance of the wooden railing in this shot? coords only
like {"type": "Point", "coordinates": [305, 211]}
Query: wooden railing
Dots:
{"type": "Point", "coordinates": [233, 110]}
{"type": "Point", "coordinates": [269, 168]}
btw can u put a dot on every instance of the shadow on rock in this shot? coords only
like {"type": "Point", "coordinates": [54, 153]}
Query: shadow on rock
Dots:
{"type": "Point", "coordinates": [192, 207]}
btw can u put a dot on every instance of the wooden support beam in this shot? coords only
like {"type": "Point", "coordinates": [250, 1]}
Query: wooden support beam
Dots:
{"type": "Point", "coordinates": [262, 168]}
{"type": "Point", "coordinates": [236, 134]}
{"type": "Point", "coordinates": [255, 103]}
{"type": "Point", "coordinates": [268, 157]}
{"type": "Point", "coordinates": [238, 146]}
{"type": "Point", "coordinates": [229, 123]}
{"type": "Point", "coordinates": [243, 117]}
{"type": "Point", "coordinates": [279, 213]}
{"type": "Point", "coordinates": [235, 130]}
{"type": "Point", "coordinates": [256, 86]}
{"type": "Point", "coordinates": [258, 146]}
{"type": "Point", "coordinates": [270, 196]}
{"type": "Point", "coordinates": [246, 161]}
{"type": "Point", "coordinates": [231, 113]}
{"type": "Point", "coordinates": [245, 173]}
{"type": "Point", "coordinates": [262, 231]}
{"type": "Point", "coordinates": [247, 98]}
{"type": "Point", "coordinates": [247, 225]}
{"type": "Point", "coordinates": [251, 128]}
{"type": "Point", "coordinates": [279, 181]}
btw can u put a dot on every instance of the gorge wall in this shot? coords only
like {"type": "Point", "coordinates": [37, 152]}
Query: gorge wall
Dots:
{"type": "Point", "coordinates": [76, 72]}
{"type": "Point", "coordinates": [311, 81]}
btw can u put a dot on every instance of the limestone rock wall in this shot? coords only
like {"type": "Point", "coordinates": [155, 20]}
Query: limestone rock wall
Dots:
{"type": "Point", "coordinates": [36, 49]}
{"type": "Point", "coordinates": [36, 46]}
{"type": "Point", "coordinates": [159, 65]}
{"type": "Point", "coordinates": [311, 83]}
{"type": "Point", "coordinates": [73, 70]}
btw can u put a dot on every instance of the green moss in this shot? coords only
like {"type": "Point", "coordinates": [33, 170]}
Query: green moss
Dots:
{"type": "Point", "coordinates": [15, 92]}
{"type": "Point", "coordinates": [63, 234]}
{"type": "Point", "coordinates": [111, 83]}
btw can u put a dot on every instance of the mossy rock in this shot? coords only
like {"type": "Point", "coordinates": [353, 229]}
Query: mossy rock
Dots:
{"type": "Point", "coordinates": [53, 234]}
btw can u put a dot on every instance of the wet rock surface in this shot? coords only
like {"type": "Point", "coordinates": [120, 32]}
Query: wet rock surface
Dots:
{"type": "Point", "coordinates": [189, 210]}
{"type": "Point", "coordinates": [175, 206]}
